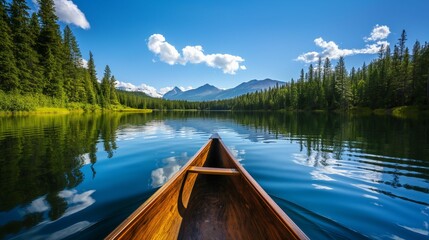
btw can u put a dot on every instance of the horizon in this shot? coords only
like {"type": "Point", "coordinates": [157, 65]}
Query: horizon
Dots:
{"type": "Point", "coordinates": [162, 44]}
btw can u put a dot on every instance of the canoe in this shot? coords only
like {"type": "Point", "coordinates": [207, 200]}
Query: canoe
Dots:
{"type": "Point", "coordinates": [211, 197]}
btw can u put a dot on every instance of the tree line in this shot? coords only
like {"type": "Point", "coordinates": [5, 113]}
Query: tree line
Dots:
{"type": "Point", "coordinates": [393, 79]}
{"type": "Point", "coordinates": [36, 59]}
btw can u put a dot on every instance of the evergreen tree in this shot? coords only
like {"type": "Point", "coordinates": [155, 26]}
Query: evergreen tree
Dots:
{"type": "Point", "coordinates": [27, 60]}
{"type": "Point", "coordinates": [113, 97]}
{"type": "Point", "coordinates": [34, 29]}
{"type": "Point", "coordinates": [342, 87]}
{"type": "Point", "coordinates": [105, 85]}
{"type": "Point", "coordinates": [327, 82]}
{"type": "Point", "coordinates": [396, 72]}
{"type": "Point", "coordinates": [54, 86]}
{"type": "Point", "coordinates": [401, 43]}
{"type": "Point", "coordinates": [387, 76]}
{"type": "Point", "coordinates": [406, 69]}
{"type": "Point", "coordinates": [415, 75]}
{"type": "Point", "coordinates": [8, 70]}
{"type": "Point", "coordinates": [50, 49]}
{"type": "Point", "coordinates": [93, 79]}
{"type": "Point", "coordinates": [294, 95]}
{"type": "Point", "coordinates": [74, 79]}
{"type": "Point", "coordinates": [90, 93]}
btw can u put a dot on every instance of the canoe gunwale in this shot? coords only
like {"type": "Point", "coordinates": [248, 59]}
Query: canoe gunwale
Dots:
{"type": "Point", "coordinates": [127, 226]}
{"type": "Point", "coordinates": [287, 222]}
{"type": "Point", "coordinates": [130, 221]}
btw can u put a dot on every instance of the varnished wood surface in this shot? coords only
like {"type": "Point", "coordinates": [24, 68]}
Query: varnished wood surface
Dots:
{"type": "Point", "coordinates": [197, 205]}
{"type": "Point", "coordinates": [213, 171]}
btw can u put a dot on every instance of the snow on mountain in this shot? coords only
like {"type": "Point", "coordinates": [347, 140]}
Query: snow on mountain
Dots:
{"type": "Point", "coordinates": [148, 90]}
{"type": "Point", "coordinates": [209, 92]}
{"type": "Point", "coordinates": [206, 92]}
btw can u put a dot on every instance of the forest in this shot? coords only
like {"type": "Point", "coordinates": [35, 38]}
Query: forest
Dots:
{"type": "Point", "coordinates": [40, 66]}
{"type": "Point", "coordinates": [391, 80]}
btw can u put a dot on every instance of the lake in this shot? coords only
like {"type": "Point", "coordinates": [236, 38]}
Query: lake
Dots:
{"type": "Point", "coordinates": [337, 176]}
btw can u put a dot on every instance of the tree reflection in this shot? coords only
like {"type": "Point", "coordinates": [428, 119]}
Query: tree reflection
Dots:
{"type": "Point", "coordinates": [43, 155]}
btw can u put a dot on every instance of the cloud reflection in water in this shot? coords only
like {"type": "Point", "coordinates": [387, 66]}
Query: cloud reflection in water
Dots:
{"type": "Point", "coordinates": [171, 166]}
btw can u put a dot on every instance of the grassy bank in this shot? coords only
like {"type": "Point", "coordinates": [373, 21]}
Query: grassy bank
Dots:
{"type": "Point", "coordinates": [17, 104]}
{"type": "Point", "coordinates": [133, 110]}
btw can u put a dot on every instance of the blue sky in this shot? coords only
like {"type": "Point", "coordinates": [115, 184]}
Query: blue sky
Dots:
{"type": "Point", "coordinates": [241, 40]}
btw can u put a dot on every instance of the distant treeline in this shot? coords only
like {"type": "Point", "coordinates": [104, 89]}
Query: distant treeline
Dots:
{"type": "Point", "coordinates": [392, 80]}
{"type": "Point", "coordinates": [36, 59]}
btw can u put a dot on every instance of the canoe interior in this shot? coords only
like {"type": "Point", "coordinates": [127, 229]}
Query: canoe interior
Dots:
{"type": "Point", "coordinates": [200, 206]}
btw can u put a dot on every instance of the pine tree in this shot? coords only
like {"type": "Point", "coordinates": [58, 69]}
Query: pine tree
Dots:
{"type": "Point", "coordinates": [415, 75]}
{"type": "Point", "coordinates": [50, 49]}
{"type": "Point", "coordinates": [327, 82]}
{"type": "Point", "coordinates": [401, 43]}
{"type": "Point", "coordinates": [406, 69]}
{"type": "Point", "coordinates": [105, 85]}
{"type": "Point", "coordinates": [320, 93]}
{"type": "Point", "coordinates": [27, 60]}
{"type": "Point", "coordinates": [293, 95]}
{"type": "Point", "coordinates": [93, 79]}
{"type": "Point", "coordinates": [395, 81]}
{"type": "Point", "coordinates": [90, 93]}
{"type": "Point", "coordinates": [387, 68]}
{"type": "Point", "coordinates": [74, 82]}
{"type": "Point", "coordinates": [300, 89]}
{"type": "Point", "coordinates": [113, 96]}
{"type": "Point", "coordinates": [54, 88]}
{"type": "Point", "coordinates": [8, 70]}
{"type": "Point", "coordinates": [342, 87]}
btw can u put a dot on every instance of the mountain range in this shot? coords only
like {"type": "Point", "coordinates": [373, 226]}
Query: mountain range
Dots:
{"type": "Point", "coordinates": [209, 92]}
{"type": "Point", "coordinates": [148, 90]}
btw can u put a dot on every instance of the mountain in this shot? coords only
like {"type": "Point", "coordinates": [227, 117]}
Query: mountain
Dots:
{"type": "Point", "coordinates": [203, 93]}
{"type": "Point", "coordinates": [148, 90]}
{"type": "Point", "coordinates": [173, 93]}
{"type": "Point", "coordinates": [209, 92]}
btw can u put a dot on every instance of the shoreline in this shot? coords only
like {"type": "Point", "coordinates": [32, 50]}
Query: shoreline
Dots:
{"type": "Point", "coordinates": [61, 111]}
{"type": "Point", "coordinates": [399, 112]}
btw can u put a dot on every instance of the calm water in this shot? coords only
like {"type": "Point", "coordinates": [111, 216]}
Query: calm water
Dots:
{"type": "Point", "coordinates": [337, 177]}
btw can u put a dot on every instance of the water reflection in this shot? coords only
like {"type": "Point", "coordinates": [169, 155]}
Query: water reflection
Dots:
{"type": "Point", "coordinates": [68, 231]}
{"type": "Point", "coordinates": [381, 160]}
{"type": "Point", "coordinates": [41, 159]}
{"type": "Point", "coordinates": [171, 166]}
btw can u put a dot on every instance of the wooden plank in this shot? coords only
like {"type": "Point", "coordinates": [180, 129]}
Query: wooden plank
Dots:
{"type": "Point", "coordinates": [213, 170]}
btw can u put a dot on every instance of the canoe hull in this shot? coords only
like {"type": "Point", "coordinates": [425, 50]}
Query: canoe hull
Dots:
{"type": "Point", "coordinates": [204, 206]}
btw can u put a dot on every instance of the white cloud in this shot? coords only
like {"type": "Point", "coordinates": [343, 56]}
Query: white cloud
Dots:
{"type": "Point", "coordinates": [166, 52]}
{"type": "Point", "coordinates": [228, 63]}
{"type": "Point", "coordinates": [193, 54]}
{"type": "Point", "coordinates": [68, 12]}
{"type": "Point", "coordinates": [332, 51]}
{"type": "Point", "coordinates": [378, 33]}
